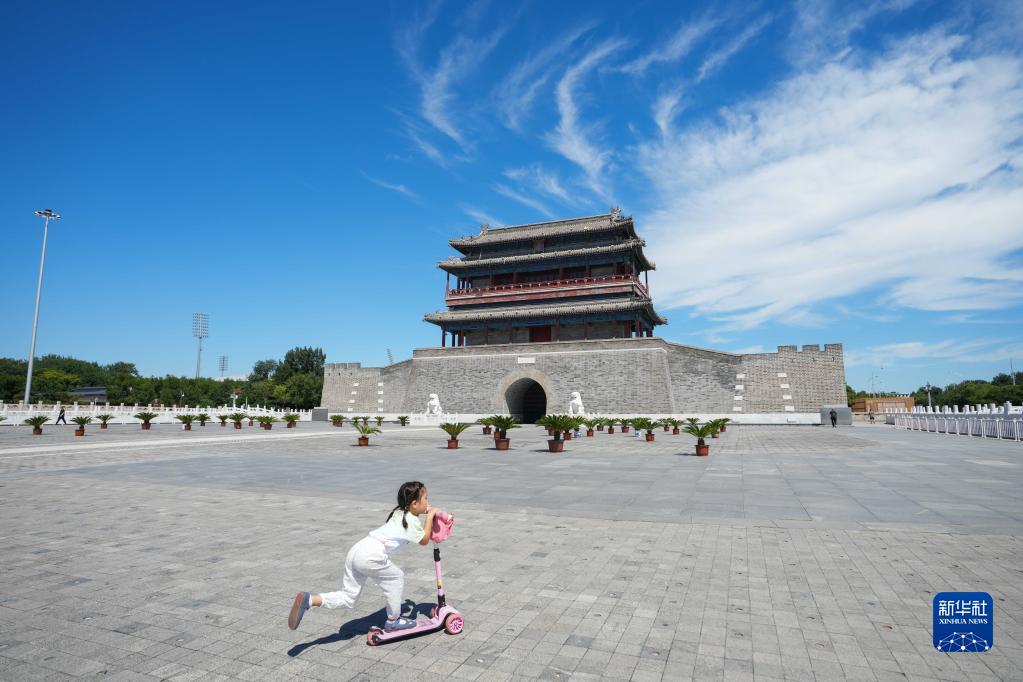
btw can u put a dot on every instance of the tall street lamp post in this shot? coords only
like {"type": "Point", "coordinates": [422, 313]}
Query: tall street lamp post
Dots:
{"type": "Point", "coordinates": [47, 215]}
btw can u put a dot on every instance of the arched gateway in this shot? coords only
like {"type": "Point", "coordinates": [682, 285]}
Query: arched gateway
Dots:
{"type": "Point", "coordinates": [526, 400]}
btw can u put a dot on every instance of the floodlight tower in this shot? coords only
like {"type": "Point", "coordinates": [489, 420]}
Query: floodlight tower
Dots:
{"type": "Point", "coordinates": [200, 330]}
{"type": "Point", "coordinates": [47, 215]}
{"type": "Point", "coordinates": [223, 365]}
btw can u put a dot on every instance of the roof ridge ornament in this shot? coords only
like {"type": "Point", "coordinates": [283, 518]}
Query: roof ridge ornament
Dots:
{"type": "Point", "coordinates": [484, 228]}
{"type": "Point", "coordinates": [616, 214]}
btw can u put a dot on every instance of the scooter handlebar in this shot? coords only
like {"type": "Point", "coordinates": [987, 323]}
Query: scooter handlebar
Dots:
{"type": "Point", "coordinates": [442, 523]}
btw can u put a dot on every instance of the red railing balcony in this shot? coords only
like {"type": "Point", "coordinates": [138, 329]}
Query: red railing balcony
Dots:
{"type": "Point", "coordinates": [559, 288]}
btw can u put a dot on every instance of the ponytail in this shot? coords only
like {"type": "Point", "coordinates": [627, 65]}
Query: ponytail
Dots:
{"type": "Point", "coordinates": [407, 494]}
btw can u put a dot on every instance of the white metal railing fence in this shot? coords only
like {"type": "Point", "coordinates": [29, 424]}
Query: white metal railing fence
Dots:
{"type": "Point", "coordinates": [124, 414]}
{"type": "Point", "coordinates": [1002, 428]}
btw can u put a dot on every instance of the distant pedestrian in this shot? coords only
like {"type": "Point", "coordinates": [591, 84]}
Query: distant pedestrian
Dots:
{"type": "Point", "coordinates": [834, 419]}
{"type": "Point", "coordinates": [871, 415]}
{"type": "Point", "coordinates": [60, 417]}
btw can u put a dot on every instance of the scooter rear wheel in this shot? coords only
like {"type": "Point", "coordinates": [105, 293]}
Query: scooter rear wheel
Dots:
{"type": "Point", "coordinates": [453, 624]}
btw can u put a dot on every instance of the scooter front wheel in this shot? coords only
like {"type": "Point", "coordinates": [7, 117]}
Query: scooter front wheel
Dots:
{"type": "Point", "coordinates": [453, 624]}
{"type": "Point", "coordinates": [373, 637]}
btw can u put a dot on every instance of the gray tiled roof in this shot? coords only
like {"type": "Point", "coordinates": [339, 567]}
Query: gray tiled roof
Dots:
{"type": "Point", "coordinates": [541, 310]}
{"type": "Point", "coordinates": [454, 264]}
{"type": "Point", "coordinates": [551, 228]}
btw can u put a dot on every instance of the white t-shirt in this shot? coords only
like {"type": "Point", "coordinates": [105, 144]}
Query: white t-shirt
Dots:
{"type": "Point", "coordinates": [394, 535]}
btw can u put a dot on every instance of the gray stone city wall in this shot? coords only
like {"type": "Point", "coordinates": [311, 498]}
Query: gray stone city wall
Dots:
{"type": "Point", "coordinates": [615, 376]}
{"type": "Point", "coordinates": [351, 389]}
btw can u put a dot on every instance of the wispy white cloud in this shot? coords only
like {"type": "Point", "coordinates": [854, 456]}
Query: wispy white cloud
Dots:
{"type": "Point", "coordinates": [538, 179]}
{"type": "Point", "coordinates": [822, 29]}
{"type": "Point", "coordinates": [719, 57]}
{"type": "Point", "coordinates": [515, 94]}
{"type": "Point", "coordinates": [437, 84]}
{"type": "Point", "coordinates": [483, 217]}
{"type": "Point", "coordinates": [571, 138]}
{"type": "Point", "coordinates": [394, 187]}
{"type": "Point", "coordinates": [838, 182]}
{"type": "Point", "coordinates": [957, 350]}
{"type": "Point", "coordinates": [680, 44]}
{"type": "Point", "coordinates": [523, 199]}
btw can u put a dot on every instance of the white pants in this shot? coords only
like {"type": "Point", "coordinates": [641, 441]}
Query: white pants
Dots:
{"type": "Point", "coordinates": [367, 559]}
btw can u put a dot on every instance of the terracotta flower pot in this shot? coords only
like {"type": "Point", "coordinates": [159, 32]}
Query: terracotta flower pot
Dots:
{"type": "Point", "coordinates": [452, 444]}
{"type": "Point", "coordinates": [567, 435]}
{"type": "Point", "coordinates": [339, 424]}
{"type": "Point", "coordinates": [37, 431]}
{"type": "Point", "coordinates": [610, 429]}
{"type": "Point", "coordinates": [600, 427]}
{"type": "Point", "coordinates": [666, 427]}
{"type": "Point", "coordinates": [723, 428]}
{"type": "Point", "coordinates": [650, 438]}
{"type": "Point", "coordinates": [80, 431]}
{"type": "Point", "coordinates": [103, 425]}
{"type": "Point", "coordinates": [556, 445]}
{"type": "Point", "coordinates": [589, 433]}
{"type": "Point", "coordinates": [291, 425]}
{"type": "Point", "coordinates": [501, 443]}
{"type": "Point", "coordinates": [268, 427]}
{"type": "Point", "coordinates": [363, 440]}
{"type": "Point", "coordinates": [145, 426]}
{"type": "Point", "coordinates": [223, 423]}
{"type": "Point", "coordinates": [674, 431]}
{"type": "Point", "coordinates": [625, 429]}
{"type": "Point", "coordinates": [702, 450]}
{"type": "Point", "coordinates": [238, 425]}
{"type": "Point", "coordinates": [188, 427]}
{"type": "Point", "coordinates": [251, 422]}
{"type": "Point", "coordinates": [487, 430]}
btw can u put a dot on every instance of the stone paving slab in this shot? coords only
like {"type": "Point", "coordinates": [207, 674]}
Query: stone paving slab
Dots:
{"type": "Point", "coordinates": [618, 560]}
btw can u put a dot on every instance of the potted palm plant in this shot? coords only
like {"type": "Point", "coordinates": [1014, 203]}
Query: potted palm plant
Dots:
{"type": "Point", "coordinates": [266, 422]}
{"type": "Point", "coordinates": [403, 420]}
{"type": "Point", "coordinates": [625, 424]}
{"type": "Point", "coordinates": [701, 431]}
{"type": "Point", "coordinates": [223, 419]}
{"type": "Point", "coordinates": [337, 420]}
{"type": "Point", "coordinates": [501, 424]}
{"type": "Point", "coordinates": [558, 424]}
{"type": "Point", "coordinates": [380, 420]}
{"type": "Point", "coordinates": [610, 425]}
{"type": "Point", "coordinates": [291, 419]}
{"type": "Point", "coordinates": [717, 427]}
{"type": "Point", "coordinates": [103, 419]}
{"type": "Point", "coordinates": [487, 426]}
{"type": "Point", "coordinates": [644, 424]}
{"type": "Point", "coordinates": [365, 420]}
{"type": "Point", "coordinates": [251, 418]}
{"type": "Point", "coordinates": [187, 420]}
{"type": "Point", "coordinates": [202, 418]}
{"type": "Point", "coordinates": [237, 418]}
{"type": "Point", "coordinates": [600, 423]}
{"type": "Point", "coordinates": [36, 423]}
{"type": "Point", "coordinates": [454, 430]}
{"type": "Point", "coordinates": [724, 422]}
{"type": "Point", "coordinates": [666, 423]}
{"type": "Point", "coordinates": [590, 425]}
{"type": "Point", "coordinates": [81, 421]}
{"type": "Point", "coordinates": [365, 432]}
{"type": "Point", "coordinates": [146, 418]}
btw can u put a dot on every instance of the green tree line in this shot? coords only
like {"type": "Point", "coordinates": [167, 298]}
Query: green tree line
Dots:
{"type": "Point", "coordinates": [294, 381]}
{"type": "Point", "coordinates": [970, 392]}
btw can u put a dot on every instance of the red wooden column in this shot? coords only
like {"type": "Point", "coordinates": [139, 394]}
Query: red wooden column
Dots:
{"type": "Point", "coordinates": [443, 338]}
{"type": "Point", "coordinates": [557, 331]}
{"type": "Point", "coordinates": [510, 330]}
{"type": "Point", "coordinates": [646, 277]}
{"type": "Point", "coordinates": [447, 283]}
{"type": "Point", "coordinates": [486, 336]}
{"type": "Point", "coordinates": [586, 329]}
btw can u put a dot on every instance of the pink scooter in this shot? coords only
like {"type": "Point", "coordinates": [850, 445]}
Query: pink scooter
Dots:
{"type": "Point", "coordinates": [441, 615]}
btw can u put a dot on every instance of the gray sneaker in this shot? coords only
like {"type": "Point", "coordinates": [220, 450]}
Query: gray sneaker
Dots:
{"type": "Point", "coordinates": [399, 624]}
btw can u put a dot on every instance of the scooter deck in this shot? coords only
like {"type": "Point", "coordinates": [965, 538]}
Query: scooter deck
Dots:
{"type": "Point", "coordinates": [377, 635]}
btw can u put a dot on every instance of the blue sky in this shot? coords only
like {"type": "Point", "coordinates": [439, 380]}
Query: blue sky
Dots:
{"type": "Point", "coordinates": [802, 172]}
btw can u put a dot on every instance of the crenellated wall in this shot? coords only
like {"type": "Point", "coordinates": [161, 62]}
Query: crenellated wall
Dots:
{"type": "Point", "coordinates": [615, 376]}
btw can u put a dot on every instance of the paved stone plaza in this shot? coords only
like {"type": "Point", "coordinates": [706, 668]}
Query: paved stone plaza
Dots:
{"type": "Point", "coordinates": [790, 553]}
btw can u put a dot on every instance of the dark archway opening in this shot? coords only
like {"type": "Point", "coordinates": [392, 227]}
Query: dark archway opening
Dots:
{"type": "Point", "coordinates": [527, 401]}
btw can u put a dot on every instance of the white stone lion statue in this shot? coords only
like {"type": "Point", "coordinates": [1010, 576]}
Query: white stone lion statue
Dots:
{"type": "Point", "coordinates": [433, 407]}
{"type": "Point", "coordinates": [575, 405]}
